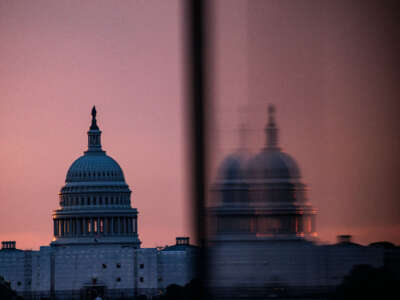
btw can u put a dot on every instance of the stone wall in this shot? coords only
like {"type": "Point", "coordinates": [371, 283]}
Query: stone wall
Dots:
{"type": "Point", "coordinates": [67, 272]}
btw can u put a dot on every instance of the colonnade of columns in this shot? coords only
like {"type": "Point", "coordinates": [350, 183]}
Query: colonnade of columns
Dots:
{"type": "Point", "coordinates": [285, 224]}
{"type": "Point", "coordinates": [89, 226]}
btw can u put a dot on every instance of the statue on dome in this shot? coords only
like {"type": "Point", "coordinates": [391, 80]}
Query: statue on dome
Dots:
{"type": "Point", "coordinates": [94, 122]}
{"type": "Point", "coordinates": [94, 112]}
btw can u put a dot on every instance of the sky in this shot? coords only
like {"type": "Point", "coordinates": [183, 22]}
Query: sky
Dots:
{"type": "Point", "coordinates": [329, 68]}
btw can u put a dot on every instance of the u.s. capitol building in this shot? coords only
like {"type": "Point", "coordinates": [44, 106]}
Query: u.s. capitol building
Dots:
{"type": "Point", "coordinates": [262, 241]}
{"type": "Point", "coordinates": [96, 247]}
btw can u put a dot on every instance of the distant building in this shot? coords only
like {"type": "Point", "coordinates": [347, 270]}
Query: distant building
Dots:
{"type": "Point", "coordinates": [96, 247]}
{"type": "Point", "coordinates": [263, 239]}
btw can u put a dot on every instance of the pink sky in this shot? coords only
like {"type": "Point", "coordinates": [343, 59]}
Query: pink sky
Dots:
{"type": "Point", "coordinates": [329, 69]}
{"type": "Point", "coordinates": [57, 60]}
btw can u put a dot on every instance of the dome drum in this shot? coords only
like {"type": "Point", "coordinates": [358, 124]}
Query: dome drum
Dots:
{"type": "Point", "coordinates": [95, 198]}
{"type": "Point", "coordinates": [273, 223]}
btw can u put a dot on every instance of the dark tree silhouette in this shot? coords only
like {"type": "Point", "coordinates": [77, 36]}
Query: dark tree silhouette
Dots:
{"type": "Point", "coordinates": [367, 282]}
{"type": "Point", "coordinates": [6, 293]}
{"type": "Point", "coordinates": [191, 291]}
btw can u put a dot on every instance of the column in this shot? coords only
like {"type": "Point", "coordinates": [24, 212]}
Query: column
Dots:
{"type": "Point", "coordinates": [75, 226]}
{"type": "Point", "coordinates": [64, 224]}
{"type": "Point", "coordinates": [124, 231]}
{"type": "Point", "coordinates": [78, 227]}
{"type": "Point", "coordinates": [85, 229]}
{"type": "Point", "coordinates": [62, 227]}
{"type": "Point", "coordinates": [55, 227]}
{"type": "Point", "coordinates": [136, 229]}
{"type": "Point", "coordinates": [70, 226]}
{"type": "Point", "coordinates": [119, 225]}
{"type": "Point", "coordinates": [91, 225]}
{"type": "Point", "coordinates": [112, 226]}
{"type": "Point", "coordinates": [71, 229]}
{"type": "Point", "coordinates": [313, 229]}
{"type": "Point", "coordinates": [98, 224]}
{"type": "Point", "coordinates": [129, 225]}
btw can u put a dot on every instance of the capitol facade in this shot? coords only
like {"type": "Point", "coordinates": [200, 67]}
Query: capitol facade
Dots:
{"type": "Point", "coordinates": [96, 248]}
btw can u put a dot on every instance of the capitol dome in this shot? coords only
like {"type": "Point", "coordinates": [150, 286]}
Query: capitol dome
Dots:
{"type": "Point", "coordinates": [94, 167]}
{"type": "Point", "coordinates": [95, 204]}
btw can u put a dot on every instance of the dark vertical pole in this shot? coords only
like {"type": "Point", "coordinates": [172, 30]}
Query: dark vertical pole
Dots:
{"type": "Point", "coordinates": [196, 93]}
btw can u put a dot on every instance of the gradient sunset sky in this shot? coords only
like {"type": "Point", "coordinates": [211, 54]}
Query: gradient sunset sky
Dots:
{"type": "Point", "coordinates": [329, 67]}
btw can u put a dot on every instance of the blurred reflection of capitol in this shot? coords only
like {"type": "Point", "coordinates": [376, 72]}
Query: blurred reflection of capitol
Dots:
{"type": "Point", "coordinates": [263, 239]}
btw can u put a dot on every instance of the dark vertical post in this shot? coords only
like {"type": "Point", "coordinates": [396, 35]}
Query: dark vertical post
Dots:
{"type": "Point", "coordinates": [197, 104]}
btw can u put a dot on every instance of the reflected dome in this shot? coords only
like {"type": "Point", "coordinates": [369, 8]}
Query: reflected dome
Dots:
{"type": "Point", "coordinates": [273, 163]}
{"type": "Point", "coordinates": [261, 197]}
{"type": "Point", "coordinates": [232, 167]}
